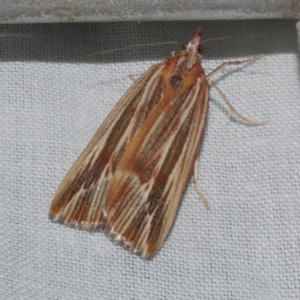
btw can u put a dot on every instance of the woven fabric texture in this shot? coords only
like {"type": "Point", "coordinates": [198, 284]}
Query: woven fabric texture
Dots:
{"type": "Point", "coordinates": [53, 99]}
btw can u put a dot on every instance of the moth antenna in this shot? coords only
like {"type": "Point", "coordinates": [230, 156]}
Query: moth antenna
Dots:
{"type": "Point", "coordinates": [176, 43]}
{"type": "Point", "coordinates": [132, 47]}
{"type": "Point", "coordinates": [232, 37]}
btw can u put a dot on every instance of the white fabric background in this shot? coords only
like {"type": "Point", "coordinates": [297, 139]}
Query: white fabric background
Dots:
{"type": "Point", "coordinates": [53, 98]}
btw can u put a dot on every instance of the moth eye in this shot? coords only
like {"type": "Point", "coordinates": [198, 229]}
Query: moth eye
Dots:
{"type": "Point", "coordinates": [200, 49]}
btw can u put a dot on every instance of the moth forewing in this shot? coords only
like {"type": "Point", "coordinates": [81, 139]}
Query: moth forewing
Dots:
{"type": "Point", "coordinates": [78, 201]}
{"type": "Point", "coordinates": [143, 198]}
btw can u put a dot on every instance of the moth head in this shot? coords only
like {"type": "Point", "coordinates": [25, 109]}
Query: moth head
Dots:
{"type": "Point", "coordinates": [195, 45]}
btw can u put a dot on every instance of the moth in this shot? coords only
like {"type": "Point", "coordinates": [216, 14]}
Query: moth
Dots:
{"type": "Point", "coordinates": [129, 180]}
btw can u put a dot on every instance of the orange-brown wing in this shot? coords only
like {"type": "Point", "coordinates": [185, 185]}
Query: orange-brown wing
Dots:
{"type": "Point", "coordinates": [145, 191]}
{"type": "Point", "coordinates": [80, 200]}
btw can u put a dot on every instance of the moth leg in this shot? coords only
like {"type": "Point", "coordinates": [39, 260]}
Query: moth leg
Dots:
{"type": "Point", "coordinates": [232, 111]}
{"type": "Point", "coordinates": [132, 78]}
{"type": "Point", "coordinates": [234, 62]}
{"type": "Point", "coordinates": [198, 188]}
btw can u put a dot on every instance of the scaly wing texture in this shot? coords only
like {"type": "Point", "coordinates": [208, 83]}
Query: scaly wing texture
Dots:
{"type": "Point", "coordinates": [146, 189]}
{"type": "Point", "coordinates": [130, 178]}
{"type": "Point", "coordinates": [81, 197]}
